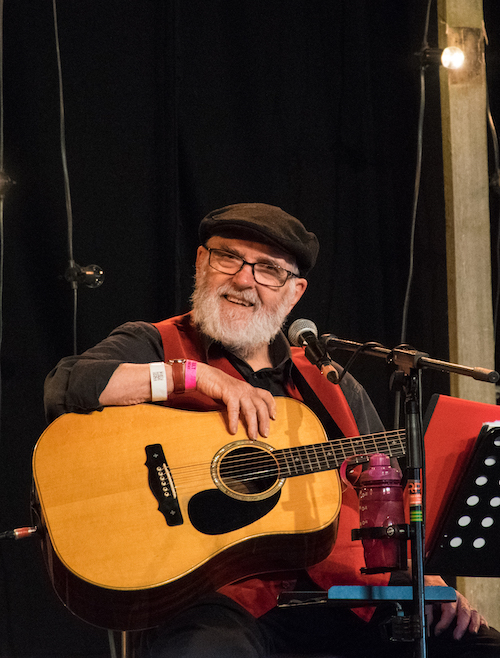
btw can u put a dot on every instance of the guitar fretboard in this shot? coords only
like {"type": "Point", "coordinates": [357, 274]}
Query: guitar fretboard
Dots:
{"type": "Point", "coordinates": [331, 454]}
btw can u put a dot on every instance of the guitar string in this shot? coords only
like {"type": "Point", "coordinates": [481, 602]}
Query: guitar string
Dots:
{"type": "Point", "coordinates": [237, 466]}
{"type": "Point", "coordinates": [313, 449]}
{"type": "Point", "coordinates": [275, 474]}
{"type": "Point", "coordinates": [390, 438]}
{"type": "Point", "coordinates": [270, 471]}
{"type": "Point", "coordinates": [269, 464]}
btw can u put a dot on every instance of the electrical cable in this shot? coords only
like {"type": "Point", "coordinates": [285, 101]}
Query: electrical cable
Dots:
{"type": "Point", "coordinates": [67, 189]}
{"type": "Point", "coordinates": [416, 194]}
{"type": "Point", "coordinates": [5, 182]}
{"type": "Point", "coordinates": [354, 356]}
{"type": "Point", "coordinates": [2, 249]}
{"type": "Point", "coordinates": [494, 184]}
{"type": "Point", "coordinates": [418, 172]}
{"type": "Point", "coordinates": [91, 275]}
{"type": "Point", "coordinates": [3, 565]}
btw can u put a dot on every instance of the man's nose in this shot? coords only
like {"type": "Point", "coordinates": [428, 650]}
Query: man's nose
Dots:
{"type": "Point", "coordinates": [244, 277]}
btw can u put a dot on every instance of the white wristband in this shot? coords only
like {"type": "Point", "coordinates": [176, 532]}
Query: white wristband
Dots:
{"type": "Point", "coordinates": [158, 381]}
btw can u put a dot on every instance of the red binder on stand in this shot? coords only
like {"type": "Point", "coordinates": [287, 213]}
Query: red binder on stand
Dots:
{"type": "Point", "coordinates": [462, 487]}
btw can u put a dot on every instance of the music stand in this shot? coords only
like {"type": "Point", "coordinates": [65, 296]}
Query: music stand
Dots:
{"type": "Point", "coordinates": [467, 537]}
{"type": "Point", "coordinates": [406, 379]}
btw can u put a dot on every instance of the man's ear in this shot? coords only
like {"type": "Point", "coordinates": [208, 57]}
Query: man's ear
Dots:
{"type": "Point", "coordinates": [201, 254]}
{"type": "Point", "coordinates": [300, 288]}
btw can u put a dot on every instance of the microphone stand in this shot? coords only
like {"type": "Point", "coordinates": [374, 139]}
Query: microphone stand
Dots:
{"type": "Point", "coordinates": [407, 378]}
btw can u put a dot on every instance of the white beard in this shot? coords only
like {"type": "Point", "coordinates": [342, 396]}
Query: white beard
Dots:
{"type": "Point", "coordinates": [232, 327]}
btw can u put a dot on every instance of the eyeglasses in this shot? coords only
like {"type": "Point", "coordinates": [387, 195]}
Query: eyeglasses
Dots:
{"type": "Point", "coordinates": [263, 273]}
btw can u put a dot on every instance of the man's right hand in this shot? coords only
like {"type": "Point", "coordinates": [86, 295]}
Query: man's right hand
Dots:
{"type": "Point", "coordinates": [255, 406]}
{"type": "Point", "coordinates": [131, 384]}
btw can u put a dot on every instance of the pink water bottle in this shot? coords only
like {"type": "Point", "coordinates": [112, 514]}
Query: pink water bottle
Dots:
{"type": "Point", "coordinates": [381, 506]}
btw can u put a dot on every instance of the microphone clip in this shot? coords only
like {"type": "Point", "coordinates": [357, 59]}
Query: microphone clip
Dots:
{"type": "Point", "coordinates": [322, 360]}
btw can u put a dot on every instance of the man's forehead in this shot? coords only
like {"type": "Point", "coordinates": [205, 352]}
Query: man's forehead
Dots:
{"type": "Point", "coordinates": [239, 245]}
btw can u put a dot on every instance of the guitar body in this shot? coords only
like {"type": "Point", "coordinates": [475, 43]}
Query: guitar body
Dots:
{"type": "Point", "coordinates": [123, 555]}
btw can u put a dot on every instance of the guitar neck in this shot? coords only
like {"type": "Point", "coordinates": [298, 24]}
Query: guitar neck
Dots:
{"type": "Point", "coordinates": [329, 455]}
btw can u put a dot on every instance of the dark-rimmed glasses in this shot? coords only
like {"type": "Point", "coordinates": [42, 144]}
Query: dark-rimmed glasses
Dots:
{"type": "Point", "coordinates": [264, 274]}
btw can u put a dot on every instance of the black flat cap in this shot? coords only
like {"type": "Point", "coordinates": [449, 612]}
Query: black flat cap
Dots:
{"type": "Point", "coordinates": [261, 222]}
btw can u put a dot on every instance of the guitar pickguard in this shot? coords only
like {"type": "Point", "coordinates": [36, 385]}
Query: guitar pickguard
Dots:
{"type": "Point", "coordinates": [213, 513]}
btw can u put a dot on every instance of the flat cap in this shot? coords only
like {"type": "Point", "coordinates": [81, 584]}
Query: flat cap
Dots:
{"type": "Point", "coordinates": [263, 223]}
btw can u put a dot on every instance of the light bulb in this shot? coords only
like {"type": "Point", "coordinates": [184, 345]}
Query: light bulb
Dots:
{"type": "Point", "coordinates": [452, 58]}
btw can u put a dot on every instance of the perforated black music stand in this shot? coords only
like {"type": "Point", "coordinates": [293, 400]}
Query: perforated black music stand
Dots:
{"type": "Point", "coordinates": [468, 537]}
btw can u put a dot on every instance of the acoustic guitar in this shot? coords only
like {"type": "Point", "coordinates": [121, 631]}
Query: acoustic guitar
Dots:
{"type": "Point", "coordinates": [142, 509]}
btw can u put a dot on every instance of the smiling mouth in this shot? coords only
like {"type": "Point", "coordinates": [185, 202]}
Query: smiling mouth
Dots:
{"type": "Point", "coordinates": [238, 301]}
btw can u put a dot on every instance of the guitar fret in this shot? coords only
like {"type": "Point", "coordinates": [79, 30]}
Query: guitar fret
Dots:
{"type": "Point", "coordinates": [316, 455]}
{"type": "Point", "coordinates": [286, 466]}
{"type": "Point", "coordinates": [297, 461]}
{"type": "Point", "coordinates": [312, 451]}
{"type": "Point", "coordinates": [354, 451]}
{"type": "Point", "coordinates": [303, 449]}
{"type": "Point", "coordinates": [301, 460]}
{"type": "Point", "coordinates": [330, 457]}
{"type": "Point", "coordinates": [293, 466]}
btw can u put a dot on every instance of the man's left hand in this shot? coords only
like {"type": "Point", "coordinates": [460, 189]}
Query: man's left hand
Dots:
{"type": "Point", "coordinates": [467, 618]}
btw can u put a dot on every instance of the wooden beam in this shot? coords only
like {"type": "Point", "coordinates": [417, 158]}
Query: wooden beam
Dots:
{"type": "Point", "coordinates": [464, 129]}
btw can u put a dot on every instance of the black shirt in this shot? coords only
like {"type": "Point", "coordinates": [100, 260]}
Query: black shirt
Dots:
{"type": "Point", "coordinates": [76, 383]}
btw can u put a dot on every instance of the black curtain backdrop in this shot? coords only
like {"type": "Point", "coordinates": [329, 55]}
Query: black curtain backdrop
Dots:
{"type": "Point", "coordinates": [176, 108]}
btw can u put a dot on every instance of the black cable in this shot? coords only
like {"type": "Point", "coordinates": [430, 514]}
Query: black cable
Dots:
{"type": "Point", "coordinates": [2, 250]}
{"type": "Point", "coordinates": [416, 194]}
{"type": "Point", "coordinates": [418, 172]}
{"type": "Point", "coordinates": [3, 565]}
{"type": "Point", "coordinates": [5, 182]}
{"type": "Point", "coordinates": [67, 190]}
{"type": "Point", "coordinates": [354, 356]}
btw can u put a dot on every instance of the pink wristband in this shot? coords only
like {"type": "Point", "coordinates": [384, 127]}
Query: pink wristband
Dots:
{"type": "Point", "coordinates": [190, 375]}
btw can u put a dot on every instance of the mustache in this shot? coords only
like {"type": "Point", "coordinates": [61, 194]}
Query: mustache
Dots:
{"type": "Point", "coordinates": [249, 296]}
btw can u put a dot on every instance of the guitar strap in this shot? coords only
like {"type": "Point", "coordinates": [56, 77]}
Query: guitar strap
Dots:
{"type": "Point", "coordinates": [313, 402]}
{"type": "Point", "coordinates": [327, 400]}
{"type": "Point", "coordinates": [258, 595]}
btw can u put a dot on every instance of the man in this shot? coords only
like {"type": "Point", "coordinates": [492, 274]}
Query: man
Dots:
{"type": "Point", "coordinates": [251, 270]}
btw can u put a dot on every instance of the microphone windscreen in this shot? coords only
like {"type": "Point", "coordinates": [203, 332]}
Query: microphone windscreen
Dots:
{"type": "Point", "coordinates": [297, 328]}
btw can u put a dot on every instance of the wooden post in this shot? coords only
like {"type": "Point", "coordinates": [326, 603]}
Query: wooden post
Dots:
{"type": "Point", "coordinates": [464, 129]}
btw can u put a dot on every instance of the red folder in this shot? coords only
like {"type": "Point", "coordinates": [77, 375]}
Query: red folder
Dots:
{"type": "Point", "coordinates": [452, 427]}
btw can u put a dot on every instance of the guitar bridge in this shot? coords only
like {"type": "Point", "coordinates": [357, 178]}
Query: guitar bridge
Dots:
{"type": "Point", "coordinates": [162, 485]}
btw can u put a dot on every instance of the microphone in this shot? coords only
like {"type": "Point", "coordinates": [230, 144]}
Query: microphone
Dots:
{"type": "Point", "coordinates": [304, 333]}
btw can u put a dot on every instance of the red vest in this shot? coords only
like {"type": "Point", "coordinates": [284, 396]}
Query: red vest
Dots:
{"type": "Point", "coordinates": [342, 567]}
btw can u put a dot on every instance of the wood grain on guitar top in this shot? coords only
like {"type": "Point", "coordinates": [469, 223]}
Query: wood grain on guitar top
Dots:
{"type": "Point", "coordinates": [101, 520]}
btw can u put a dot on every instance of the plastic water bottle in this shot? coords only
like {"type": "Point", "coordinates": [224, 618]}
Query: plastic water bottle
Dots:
{"type": "Point", "coordinates": [380, 506]}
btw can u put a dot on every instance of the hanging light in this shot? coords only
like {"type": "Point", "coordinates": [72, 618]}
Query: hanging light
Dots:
{"type": "Point", "coordinates": [451, 57]}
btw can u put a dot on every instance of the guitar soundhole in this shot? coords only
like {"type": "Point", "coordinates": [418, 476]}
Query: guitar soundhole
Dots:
{"type": "Point", "coordinates": [247, 471]}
